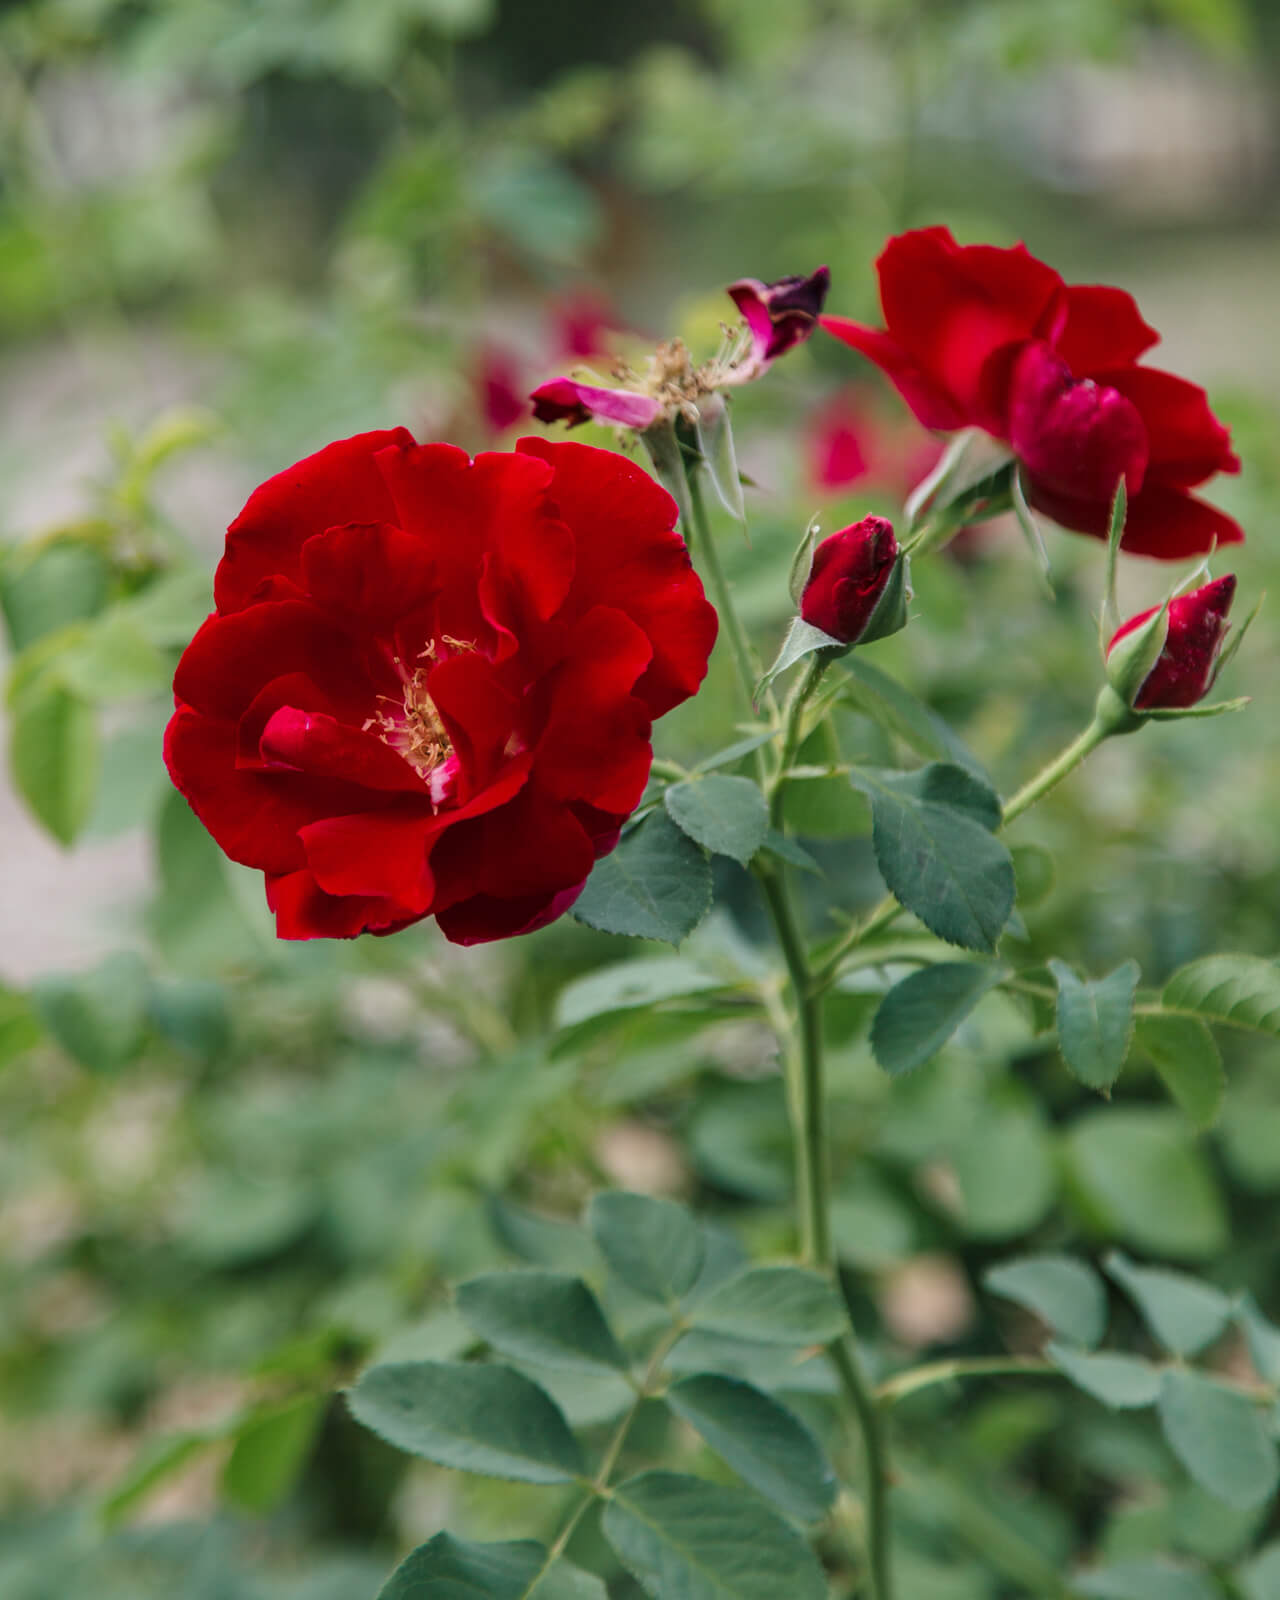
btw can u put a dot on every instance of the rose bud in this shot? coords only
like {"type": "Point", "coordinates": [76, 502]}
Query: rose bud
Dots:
{"type": "Point", "coordinates": [1195, 626]}
{"type": "Point", "coordinates": [778, 315]}
{"type": "Point", "coordinates": [850, 574]}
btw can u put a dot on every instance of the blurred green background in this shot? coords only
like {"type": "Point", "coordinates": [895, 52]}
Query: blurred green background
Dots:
{"type": "Point", "coordinates": [232, 230]}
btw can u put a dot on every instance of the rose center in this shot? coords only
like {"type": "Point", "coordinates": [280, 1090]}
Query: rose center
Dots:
{"type": "Point", "coordinates": [410, 724]}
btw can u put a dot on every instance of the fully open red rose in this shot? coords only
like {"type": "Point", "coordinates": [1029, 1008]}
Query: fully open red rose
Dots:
{"type": "Point", "coordinates": [977, 336]}
{"type": "Point", "coordinates": [428, 684]}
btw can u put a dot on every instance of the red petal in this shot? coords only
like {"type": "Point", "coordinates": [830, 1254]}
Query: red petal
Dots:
{"type": "Point", "coordinates": [304, 911]}
{"type": "Point", "coordinates": [231, 658]}
{"type": "Point", "coordinates": [253, 816]}
{"type": "Point", "coordinates": [380, 853]}
{"type": "Point", "coordinates": [630, 557]}
{"type": "Point", "coordinates": [463, 511]}
{"type": "Point", "coordinates": [1188, 443]}
{"type": "Point", "coordinates": [1166, 523]}
{"type": "Point", "coordinates": [310, 742]}
{"type": "Point", "coordinates": [1076, 438]}
{"type": "Point", "coordinates": [595, 746]}
{"type": "Point", "coordinates": [338, 484]}
{"type": "Point", "coordinates": [931, 403]}
{"type": "Point", "coordinates": [1104, 329]}
{"type": "Point", "coordinates": [534, 846]}
{"type": "Point", "coordinates": [482, 918]}
{"type": "Point", "coordinates": [368, 572]}
{"type": "Point", "coordinates": [479, 712]}
{"type": "Point", "coordinates": [950, 307]}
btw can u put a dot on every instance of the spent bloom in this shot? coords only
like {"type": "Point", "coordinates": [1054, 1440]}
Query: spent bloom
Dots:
{"type": "Point", "coordinates": [428, 684]}
{"type": "Point", "coordinates": [850, 572]}
{"type": "Point", "coordinates": [777, 317]}
{"type": "Point", "coordinates": [977, 336]}
{"type": "Point", "coordinates": [1184, 671]}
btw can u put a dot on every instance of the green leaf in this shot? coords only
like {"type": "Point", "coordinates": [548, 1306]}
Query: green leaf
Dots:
{"type": "Point", "coordinates": [728, 816]}
{"type": "Point", "coordinates": [1220, 1436]}
{"type": "Point", "coordinates": [54, 755]}
{"type": "Point", "coordinates": [544, 1241]}
{"type": "Point", "coordinates": [545, 1317]}
{"type": "Point", "coordinates": [655, 885]}
{"type": "Point", "coordinates": [933, 843]}
{"type": "Point", "coordinates": [736, 751]}
{"type": "Point", "coordinates": [1095, 1021]}
{"type": "Point", "coordinates": [1121, 1382]}
{"type": "Point", "coordinates": [773, 1305]}
{"type": "Point", "coordinates": [270, 1452]}
{"type": "Point", "coordinates": [1146, 1180]}
{"type": "Point", "coordinates": [631, 985]}
{"type": "Point", "coordinates": [715, 441]}
{"type": "Point", "coordinates": [785, 849]}
{"type": "Point", "coordinates": [1186, 1055]}
{"type": "Point", "coordinates": [1183, 1313]}
{"type": "Point", "coordinates": [921, 1012]}
{"type": "Point", "coordinates": [1144, 1580]}
{"type": "Point", "coordinates": [456, 1569]}
{"type": "Point", "coordinates": [899, 713]}
{"type": "Point", "coordinates": [1243, 991]}
{"type": "Point", "coordinates": [113, 660]}
{"type": "Point", "coordinates": [1259, 1579]}
{"type": "Point", "coordinates": [19, 1028]}
{"type": "Point", "coordinates": [1065, 1293]}
{"type": "Point", "coordinates": [686, 1539]}
{"type": "Point", "coordinates": [1005, 1169]}
{"type": "Point", "coordinates": [764, 1442]}
{"type": "Point", "coordinates": [98, 1017]}
{"type": "Point", "coordinates": [1262, 1337]}
{"type": "Point", "coordinates": [655, 1246]}
{"type": "Point", "coordinates": [193, 1013]}
{"type": "Point", "coordinates": [43, 588]}
{"type": "Point", "coordinates": [158, 1460]}
{"type": "Point", "coordinates": [485, 1419]}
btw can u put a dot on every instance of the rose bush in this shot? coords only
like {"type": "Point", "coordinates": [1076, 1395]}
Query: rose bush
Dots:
{"type": "Point", "coordinates": [428, 685]}
{"type": "Point", "coordinates": [977, 336]}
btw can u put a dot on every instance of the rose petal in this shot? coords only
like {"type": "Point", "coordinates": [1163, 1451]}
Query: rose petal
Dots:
{"type": "Point", "coordinates": [564, 400]}
{"type": "Point", "coordinates": [1188, 444]}
{"type": "Point", "coordinates": [338, 484]}
{"type": "Point", "coordinates": [630, 557]}
{"type": "Point", "coordinates": [1078, 438]}
{"type": "Point", "coordinates": [368, 573]}
{"type": "Point", "coordinates": [304, 911]}
{"type": "Point", "coordinates": [1104, 329]}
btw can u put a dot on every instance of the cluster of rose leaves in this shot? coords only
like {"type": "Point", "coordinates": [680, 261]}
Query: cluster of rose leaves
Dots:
{"type": "Point", "coordinates": [429, 682]}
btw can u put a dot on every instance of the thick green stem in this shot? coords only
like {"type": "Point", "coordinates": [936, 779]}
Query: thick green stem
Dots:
{"type": "Point", "coordinates": [805, 1078]}
{"type": "Point", "coordinates": [793, 724]}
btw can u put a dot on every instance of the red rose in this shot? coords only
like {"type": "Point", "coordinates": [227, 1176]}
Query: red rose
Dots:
{"type": "Point", "coordinates": [1184, 670]}
{"type": "Point", "coordinates": [428, 684]}
{"type": "Point", "coordinates": [979, 336]}
{"type": "Point", "coordinates": [849, 573]}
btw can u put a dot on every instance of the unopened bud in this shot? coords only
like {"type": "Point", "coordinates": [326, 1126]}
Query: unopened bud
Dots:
{"type": "Point", "coordinates": [853, 571]}
{"type": "Point", "coordinates": [1182, 671]}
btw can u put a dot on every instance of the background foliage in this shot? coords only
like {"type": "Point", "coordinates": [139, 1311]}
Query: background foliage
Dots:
{"type": "Point", "coordinates": [234, 1171]}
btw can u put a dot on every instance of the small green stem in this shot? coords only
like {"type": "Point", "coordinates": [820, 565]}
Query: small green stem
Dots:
{"type": "Point", "coordinates": [935, 1372]}
{"type": "Point", "coordinates": [793, 722]}
{"type": "Point", "coordinates": [599, 1485]}
{"type": "Point", "coordinates": [1051, 775]}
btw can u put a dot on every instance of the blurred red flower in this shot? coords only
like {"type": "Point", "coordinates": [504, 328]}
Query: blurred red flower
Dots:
{"type": "Point", "coordinates": [428, 684]}
{"type": "Point", "coordinates": [993, 338]}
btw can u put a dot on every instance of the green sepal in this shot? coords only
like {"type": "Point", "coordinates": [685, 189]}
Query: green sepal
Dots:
{"type": "Point", "coordinates": [667, 457]}
{"type": "Point", "coordinates": [802, 562]}
{"type": "Point", "coordinates": [715, 443]}
{"type": "Point", "coordinates": [947, 468]}
{"type": "Point", "coordinates": [1129, 663]}
{"type": "Point", "coordinates": [890, 614]}
{"type": "Point", "coordinates": [1030, 529]}
{"type": "Point", "coordinates": [802, 640]}
{"type": "Point", "coordinates": [1175, 714]}
{"type": "Point", "coordinates": [1110, 618]}
{"type": "Point", "coordinates": [1227, 653]}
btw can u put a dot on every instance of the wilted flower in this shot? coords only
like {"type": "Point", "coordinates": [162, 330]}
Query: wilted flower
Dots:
{"type": "Point", "coordinates": [778, 315]}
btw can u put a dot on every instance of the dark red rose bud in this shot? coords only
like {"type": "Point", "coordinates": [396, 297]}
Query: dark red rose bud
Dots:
{"type": "Point", "coordinates": [1184, 669]}
{"type": "Point", "coordinates": [851, 570]}
{"type": "Point", "coordinates": [778, 315]}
